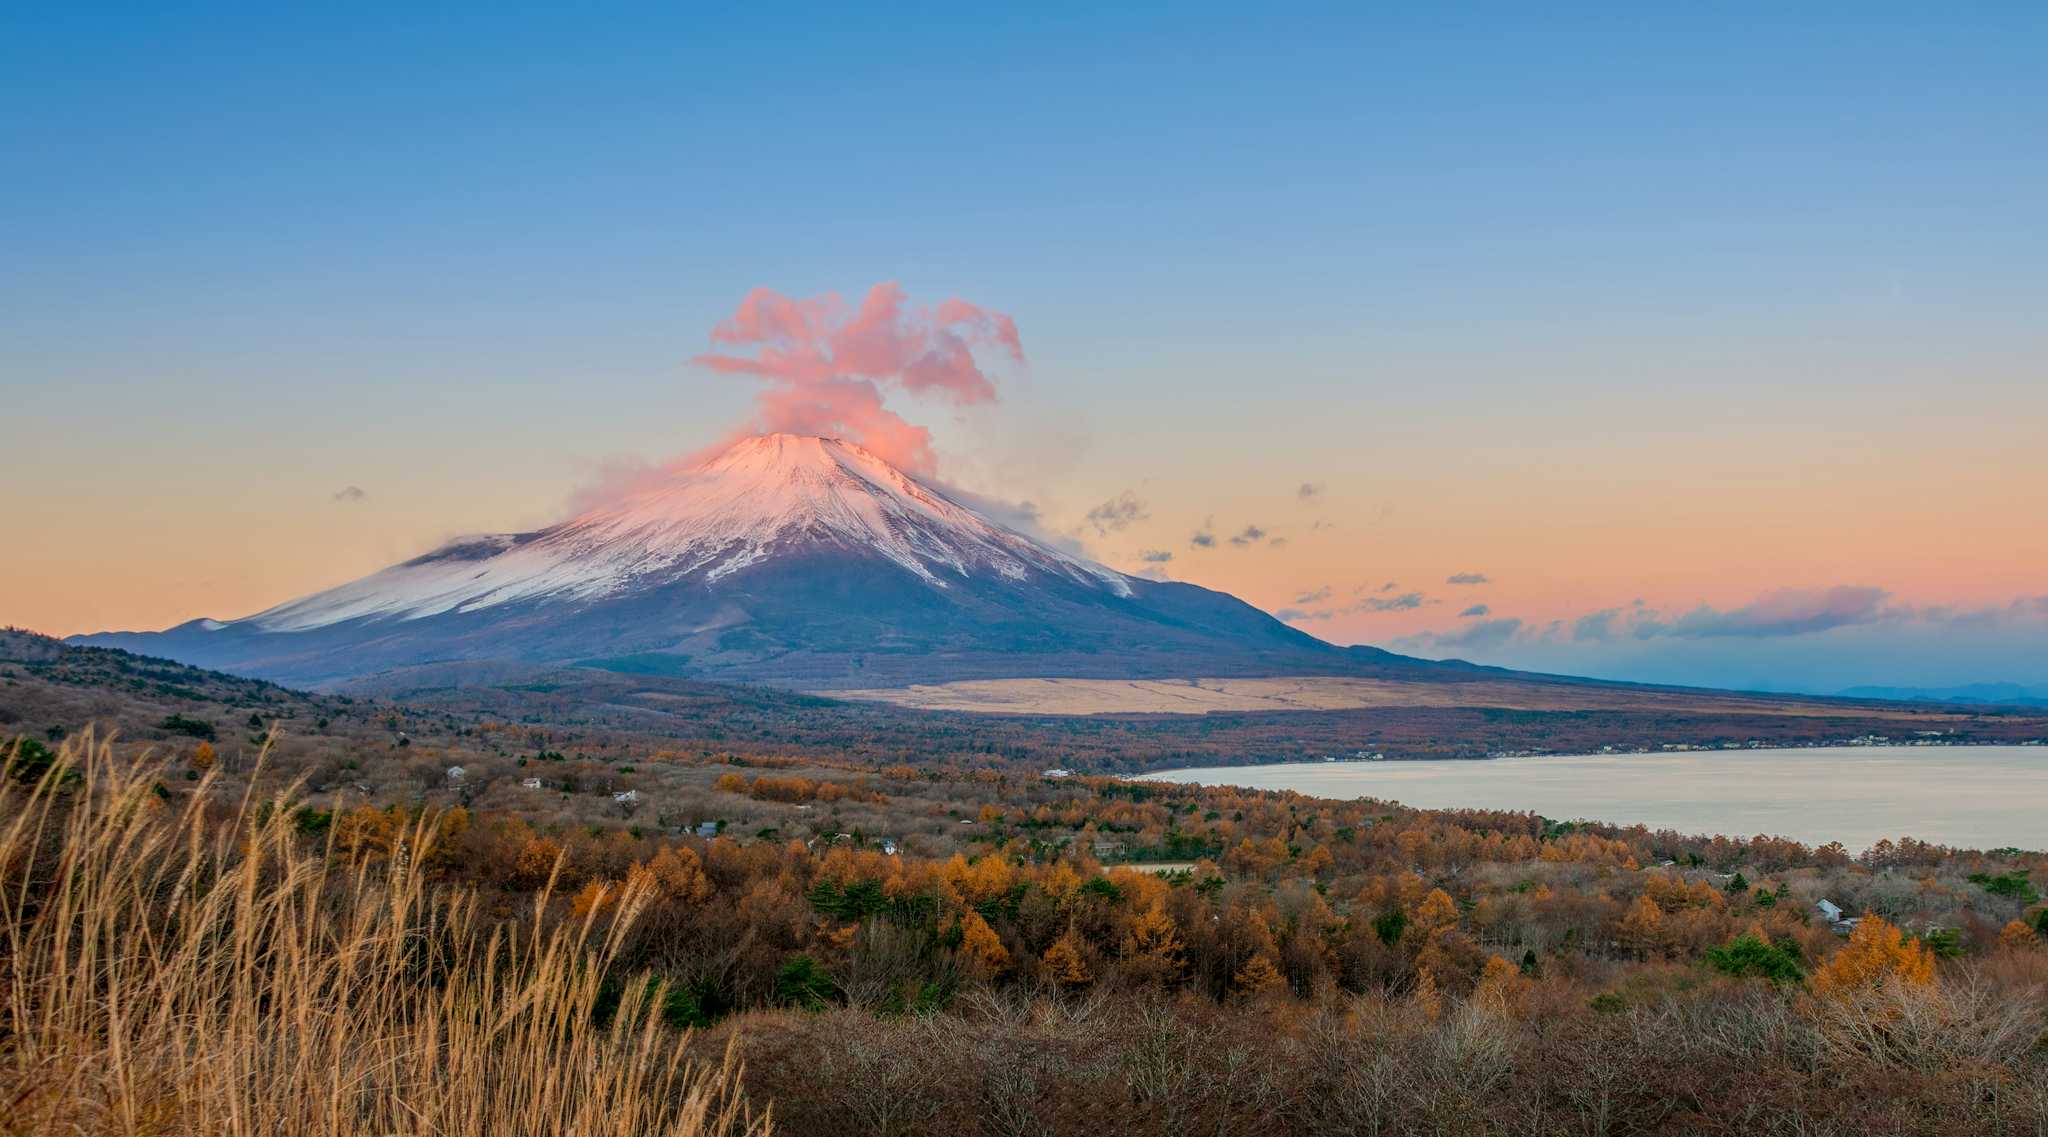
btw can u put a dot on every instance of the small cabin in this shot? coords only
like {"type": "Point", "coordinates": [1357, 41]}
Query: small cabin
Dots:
{"type": "Point", "coordinates": [529, 783]}
{"type": "Point", "coordinates": [1832, 913]}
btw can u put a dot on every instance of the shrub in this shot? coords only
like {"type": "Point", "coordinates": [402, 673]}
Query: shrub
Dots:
{"type": "Point", "coordinates": [193, 728]}
{"type": "Point", "coordinates": [802, 982]}
{"type": "Point", "coordinates": [1750, 954]}
{"type": "Point", "coordinates": [2014, 885]}
{"type": "Point", "coordinates": [28, 760]}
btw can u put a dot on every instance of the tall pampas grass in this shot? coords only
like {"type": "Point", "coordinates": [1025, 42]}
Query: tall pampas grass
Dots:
{"type": "Point", "coordinates": [197, 969]}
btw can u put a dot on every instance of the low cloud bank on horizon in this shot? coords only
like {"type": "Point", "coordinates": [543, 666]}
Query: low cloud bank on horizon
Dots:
{"type": "Point", "coordinates": [1852, 633]}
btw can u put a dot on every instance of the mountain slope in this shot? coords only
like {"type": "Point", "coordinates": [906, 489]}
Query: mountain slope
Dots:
{"type": "Point", "coordinates": [789, 559]}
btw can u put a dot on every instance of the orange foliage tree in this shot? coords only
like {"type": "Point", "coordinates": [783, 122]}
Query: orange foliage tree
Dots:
{"type": "Point", "coordinates": [1877, 953]}
{"type": "Point", "coordinates": [1065, 963]}
{"type": "Point", "coordinates": [981, 947]}
{"type": "Point", "coordinates": [1258, 976]}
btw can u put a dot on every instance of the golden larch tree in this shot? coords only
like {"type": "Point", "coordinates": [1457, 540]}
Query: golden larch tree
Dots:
{"type": "Point", "coordinates": [1153, 948]}
{"type": "Point", "coordinates": [1642, 930]}
{"type": "Point", "coordinates": [1877, 953]}
{"type": "Point", "coordinates": [1501, 985]}
{"type": "Point", "coordinates": [1066, 963]}
{"type": "Point", "coordinates": [1437, 914]}
{"type": "Point", "coordinates": [1258, 976]}
{"type": "Point", "coordinates": [980, 947]}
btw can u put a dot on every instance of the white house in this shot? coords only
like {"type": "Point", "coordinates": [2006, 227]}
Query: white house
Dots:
{"type": "Point", "coordinates": [529, 783]}
{"type": "Point", "coordinates": [627, 797]}
{"type": "Point", "coordinates": [1829, 911]}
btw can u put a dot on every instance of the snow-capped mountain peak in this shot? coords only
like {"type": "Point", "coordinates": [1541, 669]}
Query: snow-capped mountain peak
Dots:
{"type": "Point", "coordinates": [762, 498]}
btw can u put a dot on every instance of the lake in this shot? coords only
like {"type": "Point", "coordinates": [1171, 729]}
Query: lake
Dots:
{"type": "Point", "coordinates": [1967, 796]}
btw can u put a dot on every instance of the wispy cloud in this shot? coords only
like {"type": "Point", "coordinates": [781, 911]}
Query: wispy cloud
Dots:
{"type": "Point", "coordinates": [1481, 635]}
{"type": "Point", "coordinates": [1119, 512]}
{"type": "Point", "coordinates": [1309, 491]}
{"type": "Point", "coordinates": [1816, 639]}
{"type": "Point", "coordinates": [351, 495]}
{"type": "Point", "coordinates": [1783, 612]}
{"type": "Point", "coordinates": [1467, 578]}
{"type": "Point", "coordinates": [1155, 556]}
{"type": "Point", "coordinates": [1022, 516]}
{"type": "Point", "coordinates": [1251, 535]}
{"type": "Point", "coordinates": [1780, 613]}
{"type": "Point", "coordinates": [1595, 627]}
{"type": "Point", "coordinates": [1300, 610]}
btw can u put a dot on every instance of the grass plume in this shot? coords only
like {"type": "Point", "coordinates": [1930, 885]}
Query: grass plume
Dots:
{"type": "Point", "coordinates": [192, 966]}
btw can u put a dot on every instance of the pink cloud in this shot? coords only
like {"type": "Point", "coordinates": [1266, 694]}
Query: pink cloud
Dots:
{"type": "Point", "coordinates": [1782, 612]}
{"type": "Point", "coordinates": [829, 368]}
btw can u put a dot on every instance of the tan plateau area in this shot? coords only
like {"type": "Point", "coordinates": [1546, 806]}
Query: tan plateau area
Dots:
{"type": "Point", "coordinates": [1326, 693]}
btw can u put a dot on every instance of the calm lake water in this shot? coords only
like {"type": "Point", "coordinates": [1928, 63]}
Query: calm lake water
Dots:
{"type": "Point", "coordinates": [1969, 796]}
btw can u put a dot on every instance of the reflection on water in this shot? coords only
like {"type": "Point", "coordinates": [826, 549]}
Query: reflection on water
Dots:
{"type": "Point", "coordinates": [1968, 796]}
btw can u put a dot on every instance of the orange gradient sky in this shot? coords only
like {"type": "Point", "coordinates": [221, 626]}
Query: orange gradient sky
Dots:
{"type": "Point", "coordinates": [1660, 315]}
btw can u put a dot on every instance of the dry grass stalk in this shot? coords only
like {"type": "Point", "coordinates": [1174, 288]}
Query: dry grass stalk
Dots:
{"type": "Point", "coordinates": [169, 971]}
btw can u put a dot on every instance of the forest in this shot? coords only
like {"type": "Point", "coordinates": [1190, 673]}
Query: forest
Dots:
{"type": "Point", "coordinates": [837, 942]}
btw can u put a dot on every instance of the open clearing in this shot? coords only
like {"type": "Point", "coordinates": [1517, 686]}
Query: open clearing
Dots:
{"type": "Point", "coordinates": [1326, 693]}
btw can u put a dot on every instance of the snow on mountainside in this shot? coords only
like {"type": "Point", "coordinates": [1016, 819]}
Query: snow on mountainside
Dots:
{"type": "Point", "coordinates": [802, 561]}
{"type": "Point", "coordinates": [762, 496]}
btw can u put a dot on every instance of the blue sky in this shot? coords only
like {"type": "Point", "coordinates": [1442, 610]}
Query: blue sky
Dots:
{"type": "Point", "coordinates": [1691, 303]}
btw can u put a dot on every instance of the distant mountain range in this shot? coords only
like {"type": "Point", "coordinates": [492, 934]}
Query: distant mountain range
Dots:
{"type": "Point", "coordinates": [801, 561]}
{"type": "Point", "coordinates": [1988, 694]}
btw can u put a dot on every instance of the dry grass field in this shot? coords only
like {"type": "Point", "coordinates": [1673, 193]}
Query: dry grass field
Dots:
{"type": "Point", "coordinates": [198, 970]}
{"type": "Point", "coordinates": [1331, 693]}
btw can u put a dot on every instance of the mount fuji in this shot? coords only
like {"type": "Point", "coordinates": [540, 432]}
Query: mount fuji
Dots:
{"type": "Point", "coordinates": [786, 559]}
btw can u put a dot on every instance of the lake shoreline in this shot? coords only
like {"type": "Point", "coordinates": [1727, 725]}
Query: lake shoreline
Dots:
{"type": "Point", "coordinates": [1965, 796]}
